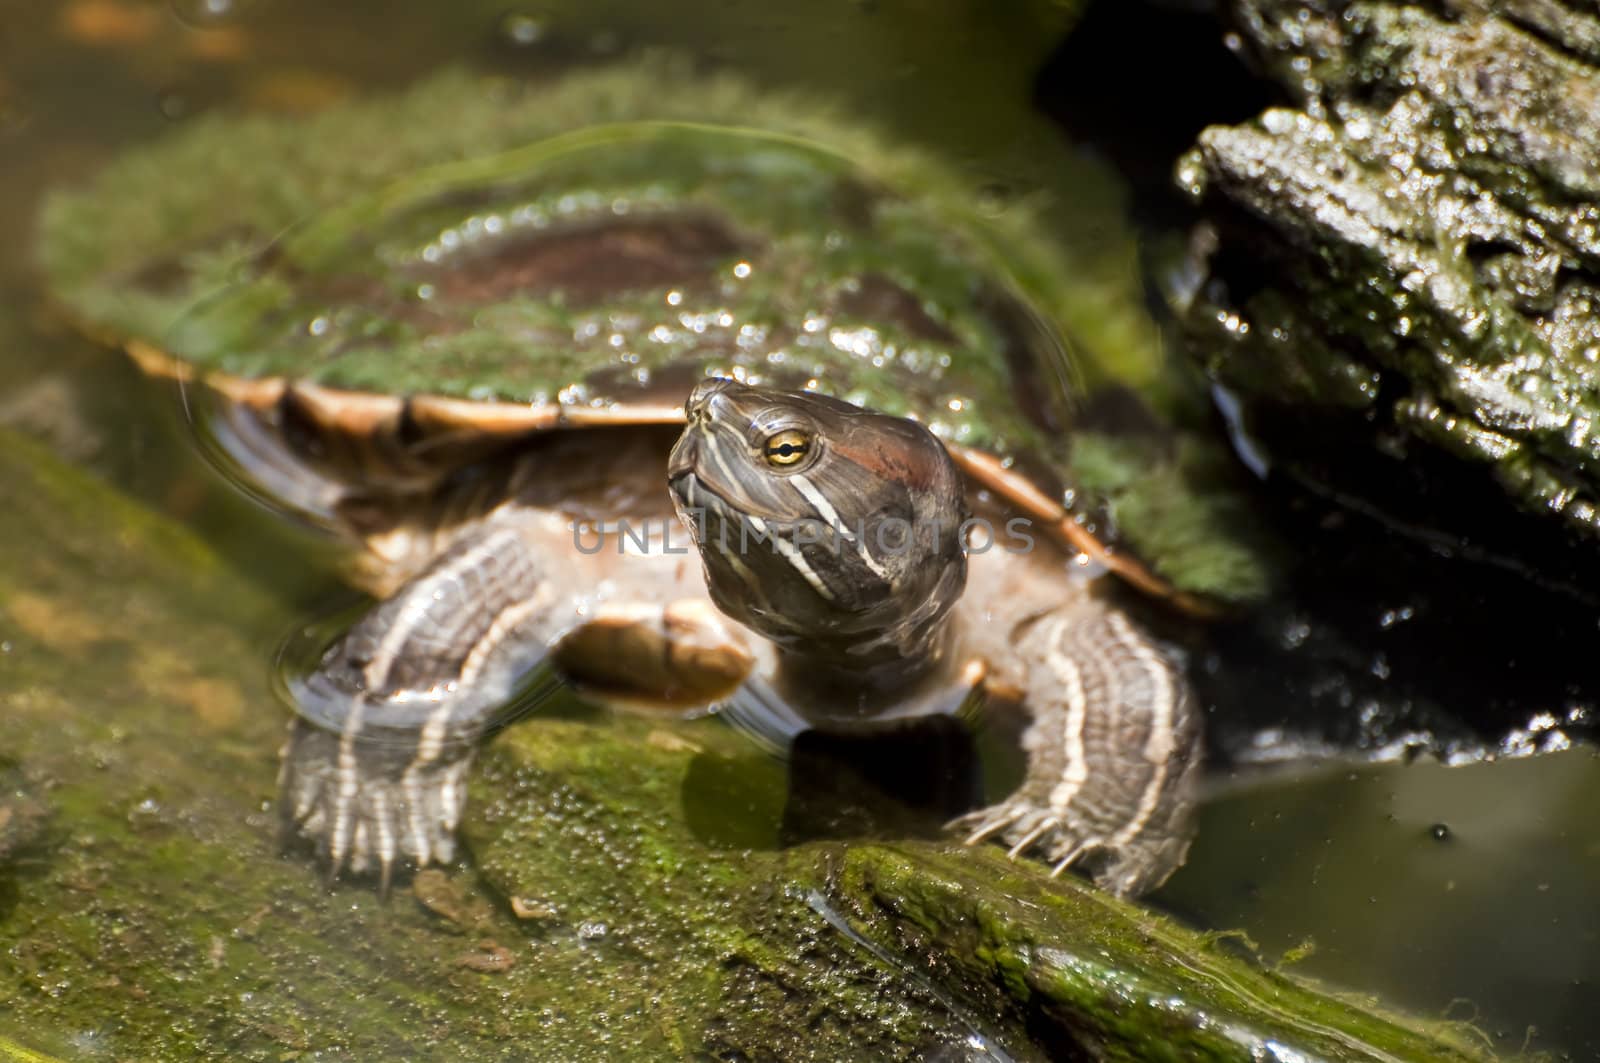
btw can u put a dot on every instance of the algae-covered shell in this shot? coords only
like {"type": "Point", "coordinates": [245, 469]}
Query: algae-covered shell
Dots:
{"type": "Point", "coordinates": [598, 248]}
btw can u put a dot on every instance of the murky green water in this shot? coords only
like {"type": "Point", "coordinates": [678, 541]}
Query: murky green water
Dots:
{"type": "Point", "coordinates": [1467, 891]}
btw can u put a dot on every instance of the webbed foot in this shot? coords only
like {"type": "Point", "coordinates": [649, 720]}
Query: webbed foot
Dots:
{"type": "Point", "coordinates": [373, 772]}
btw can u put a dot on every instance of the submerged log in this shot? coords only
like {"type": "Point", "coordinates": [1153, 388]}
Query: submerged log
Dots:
{"type": "Point", "coordinates": [629, 899]}
{"type": "Point", "coordinates": [1404, 287]}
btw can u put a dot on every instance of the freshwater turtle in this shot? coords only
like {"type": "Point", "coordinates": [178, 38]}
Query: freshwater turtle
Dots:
{"type": "Point", "coordinates": [688, 415]}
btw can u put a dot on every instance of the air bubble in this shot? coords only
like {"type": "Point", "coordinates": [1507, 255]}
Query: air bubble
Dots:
{"type": "Point", "coordinates": [173, 106]}
{"type": "Point", "coordinates": [203, 14]}
{"type": "Point", "coordinates": [521, 30]}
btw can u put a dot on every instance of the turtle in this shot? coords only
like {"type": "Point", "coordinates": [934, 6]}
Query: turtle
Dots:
{"type": "Point", "coordinates": [689, 415]}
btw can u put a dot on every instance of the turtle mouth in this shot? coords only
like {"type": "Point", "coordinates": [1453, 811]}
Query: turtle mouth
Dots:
{"type": "Point", "coordinates": [700, 479]}
{"type": "Point", "coordinates": [686, 489]}
{"type": "Point", "coordinates": [712, 516]}
{"type": "Point", "coordinates": [697, 501]}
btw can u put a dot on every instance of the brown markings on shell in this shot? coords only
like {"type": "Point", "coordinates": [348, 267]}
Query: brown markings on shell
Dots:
{"type": "Point", "coordinates": [258, 393]}
{"type": "Point", "coordinates": [588, 261]}
{"type": "Point", "coordinates": [362, 432]}
{"type": "Point", "coordinates": [880, 298]}
{"type": "Point", "coordinates": [665, 387]}
{"type": "Point", "coordinates": [429, 435]}
{"type": "Point", "coordinates": [350, 413]}
{"type": "Point", "coordinates": [157, 362]}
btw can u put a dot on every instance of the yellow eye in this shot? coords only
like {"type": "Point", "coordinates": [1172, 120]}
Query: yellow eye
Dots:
{"type": "Point", "coordinates": [787, 447]}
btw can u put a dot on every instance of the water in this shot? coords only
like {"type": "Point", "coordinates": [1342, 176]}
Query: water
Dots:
{"type": "Point", "coordinates": [1465, 892]}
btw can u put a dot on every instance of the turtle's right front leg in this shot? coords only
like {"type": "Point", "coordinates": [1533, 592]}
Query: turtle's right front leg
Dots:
{"type": "Point", "coordinates": [387, 724]}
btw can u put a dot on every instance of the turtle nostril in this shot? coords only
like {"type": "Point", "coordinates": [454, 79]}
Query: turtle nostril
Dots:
{"type": "Point", "coordinates": [699, 404]}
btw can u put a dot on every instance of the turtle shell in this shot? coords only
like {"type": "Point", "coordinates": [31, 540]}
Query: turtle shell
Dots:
{"type": "Point", "coordinates": [591, 275]}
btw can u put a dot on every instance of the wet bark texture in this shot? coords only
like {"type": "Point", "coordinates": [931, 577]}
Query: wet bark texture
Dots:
{"type": "Point", "coordinates": [1404, 278]}
{"type": "Point", "coordinates": [630, 898]}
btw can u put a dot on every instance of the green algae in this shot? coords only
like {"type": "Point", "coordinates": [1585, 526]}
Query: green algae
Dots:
{"type": "Point", "coordinates": [349, 300]}
{"type": "Point", "coordinates": [1090, 974]}
{"type": "Point", "coordinates": [153, 256]}
{"type": "Point", "coordinates": [1179, 498]}
{"type": "Point", "coordinates": [1005, 953]}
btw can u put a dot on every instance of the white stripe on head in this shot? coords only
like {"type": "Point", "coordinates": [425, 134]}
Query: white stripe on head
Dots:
{"type": "Point", "coordinates": [819, 501]}
{"type": "Point", "coordinates": [792, 554]}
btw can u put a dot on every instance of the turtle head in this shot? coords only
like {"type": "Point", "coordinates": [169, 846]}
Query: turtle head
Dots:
{"type": "Point", "coordinates": [829, 529]}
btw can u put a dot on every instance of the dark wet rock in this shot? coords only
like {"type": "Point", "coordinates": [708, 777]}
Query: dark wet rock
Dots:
{"type": "Point", "coordinates": [1404, 290]}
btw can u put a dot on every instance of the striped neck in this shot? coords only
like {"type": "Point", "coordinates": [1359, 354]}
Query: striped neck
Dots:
{"type": "Point", "coordinates": [867, 678]}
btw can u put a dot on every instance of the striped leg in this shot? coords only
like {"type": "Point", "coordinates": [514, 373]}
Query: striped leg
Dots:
{"type": "Point", "coordinates": [374, 770]}
{"type": "Point", "coordinates": [387, 724]}
{"type": "Point", "coordinates": [1113, 752]}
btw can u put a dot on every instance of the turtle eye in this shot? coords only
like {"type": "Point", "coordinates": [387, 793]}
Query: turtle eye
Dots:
{"type": "Point", "coordinates": [785, 448]}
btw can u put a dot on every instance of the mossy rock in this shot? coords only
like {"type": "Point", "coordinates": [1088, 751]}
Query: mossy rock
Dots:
{"type": "Point", "coordinates": [630, 899]}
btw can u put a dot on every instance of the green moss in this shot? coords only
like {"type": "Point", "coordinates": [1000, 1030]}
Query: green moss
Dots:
{"type": "Point", "coordinates": [160, 921]}
{"type": "Point", "coordinates": [1165, 500]}
{"type": "Point", "coordinates": [13, 1052]}
{"type": "Point", "coordinates": [337, 299]}
{"type": "Point", "coordinates": [1412, 254]}
{"type": "Point", "coordinates": [1094, 975]}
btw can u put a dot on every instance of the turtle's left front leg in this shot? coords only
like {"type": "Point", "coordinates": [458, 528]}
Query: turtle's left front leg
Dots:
{"type": "Point", "coordinates": [1113, 751]}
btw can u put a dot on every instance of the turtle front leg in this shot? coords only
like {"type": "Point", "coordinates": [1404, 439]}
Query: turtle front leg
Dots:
{"type": "Point", "coordinates": [1113, 752]}
{"type": "Point", "coordinates": [387, 725]}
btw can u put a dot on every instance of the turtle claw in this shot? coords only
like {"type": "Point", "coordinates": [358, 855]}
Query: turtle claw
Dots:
{"type": "Point", "coordinates": [1124, 866]}
{"type": "Point", "coordinates": [1025, 828]}
{"type": "Point", "coordinates": [365, 808]}
{"type": "Point", "coordinates": [986, 823]}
